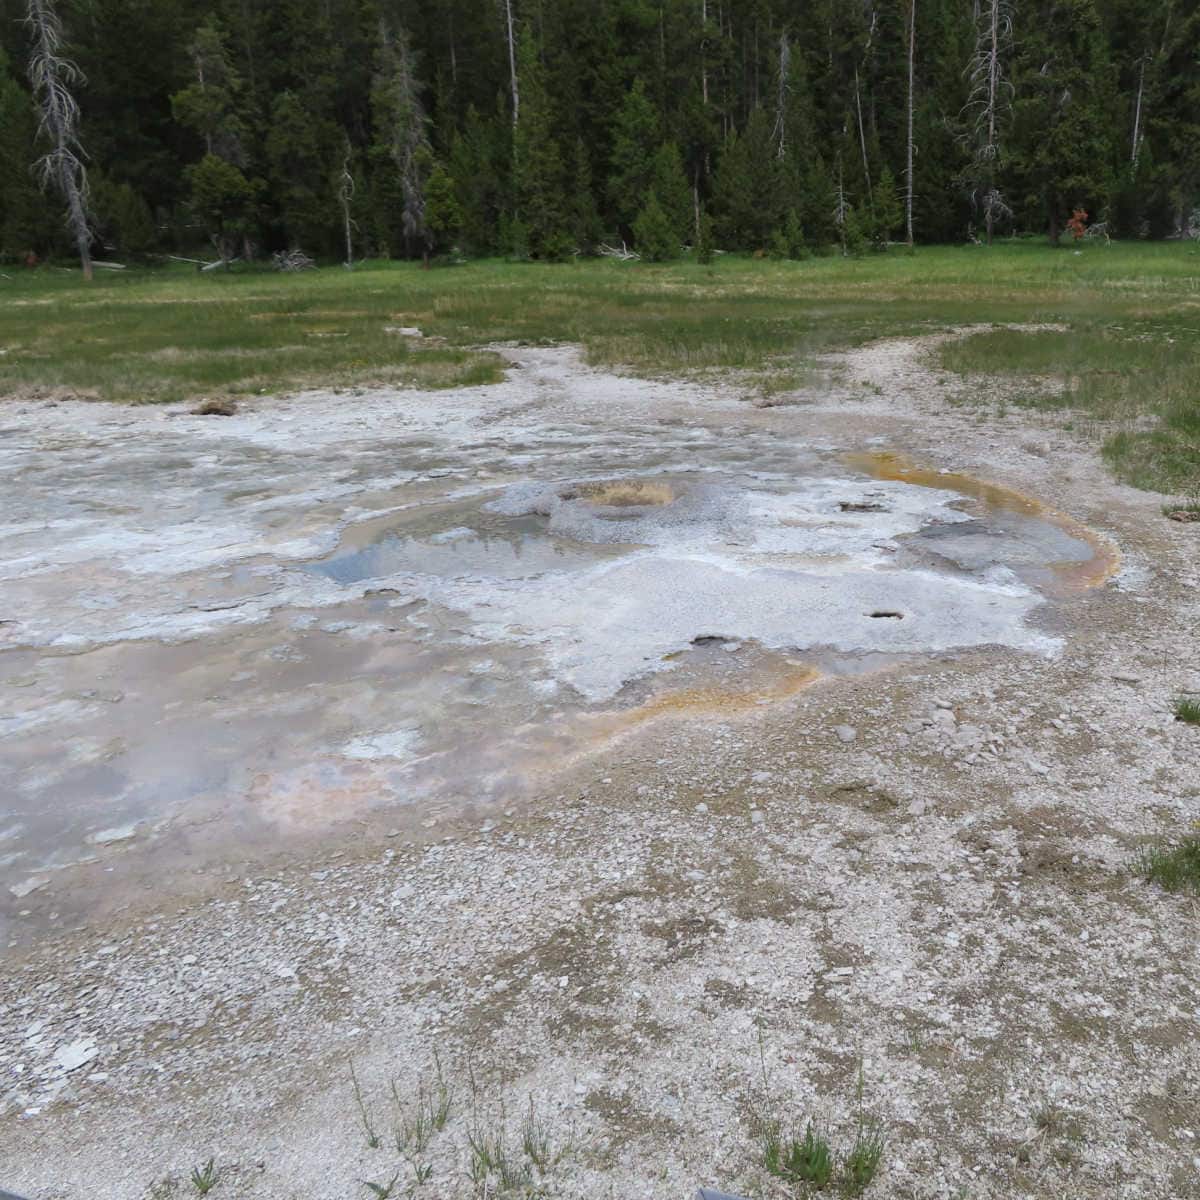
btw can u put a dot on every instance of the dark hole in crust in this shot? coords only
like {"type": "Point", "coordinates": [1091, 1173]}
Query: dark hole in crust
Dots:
{"type": "Point", "coordinates": [861, 506]}
{"type": "Point", "coordinates": [883, 612]}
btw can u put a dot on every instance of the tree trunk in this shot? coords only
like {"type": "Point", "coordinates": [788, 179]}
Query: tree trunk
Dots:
{"type": "Point", "coordinates": [83, 234]}
{"type": "Point", "coordinates": [1135, 145]}
{"type": "Point", "coordinates": [862, 139]}
{"type": "Point", "coordinates": [512, 64]}
{"type": "Point", "coordinates": [908, 199]}
{"type": "Point", "coordinates": [345, 196]}
{"type": "Point", "coordinates": [785, 58]}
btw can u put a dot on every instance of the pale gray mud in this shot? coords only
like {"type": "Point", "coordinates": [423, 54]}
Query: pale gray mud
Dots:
{"type": "Point", "coordinates": [667, 760]}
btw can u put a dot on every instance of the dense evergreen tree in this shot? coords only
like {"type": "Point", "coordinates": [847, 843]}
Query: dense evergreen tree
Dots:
{"type": "Point", "coordinates": [123, 219]}
{"type": "Point", "coordinates": [229, 120]}
{"type": "Point", "coordinates": [540, 208]}
{"type": "Point", "coordinates": [655, 234]}
{"type": "Point", "coordinates": [23, 225]}
{"type": "Point", "coordinates": [479, 168]}
{"type": "Point", "coordinates": [748, 187]}
{"type": "Point", "coordinates": [1063, 155]}
{"type": "Point", "coordinates": [670, 187]}
{"type": "Point", "coordinates": [223, 200]}
{"type": "Point", "coordinates": [209, 105]}
{"type": "Point", "coordinates": [635, 139]}
{"type": "Point", "coordinates": [888, 211]}
{"type": "Point", "coordinates": [443, 214]}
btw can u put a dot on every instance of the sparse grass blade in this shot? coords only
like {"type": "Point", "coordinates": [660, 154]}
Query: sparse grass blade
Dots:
{"type": "Point", "coordinates": [535, 1139]}
{"type": "Point", "coordinates": [382, 1190]}
{"type": "Point", "coordinates": [862, 1162]}
{"type": "Point", "coordinates": [369, 1131]}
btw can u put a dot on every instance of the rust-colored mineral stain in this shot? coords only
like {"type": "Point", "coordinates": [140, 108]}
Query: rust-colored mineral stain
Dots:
{"type": "Point", "coordinates": [708, 700]}
{"type": "Point", "coordinates": [1075, 576]}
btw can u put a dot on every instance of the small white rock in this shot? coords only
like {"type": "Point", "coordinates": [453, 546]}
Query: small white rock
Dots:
{"type": "Point", "coordinates": [28, 886]}
{"type": "Point", "coordinates": [76, 1054]}
{"type": "Point", "coordinates": [121, 833]}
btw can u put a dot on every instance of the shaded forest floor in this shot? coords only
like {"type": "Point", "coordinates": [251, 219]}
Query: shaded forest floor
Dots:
{"type": "Point", "coordinates": [1125, 350]}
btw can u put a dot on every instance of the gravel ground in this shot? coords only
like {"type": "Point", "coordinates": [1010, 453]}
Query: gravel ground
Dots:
{"type": "Point", "coordinates": [901, 900]}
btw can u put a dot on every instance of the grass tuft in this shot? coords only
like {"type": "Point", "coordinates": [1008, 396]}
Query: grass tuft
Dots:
{"type": "Point", "coordinates": [427, 1113]}
{"type": "Point", "coordinates": [810, 1163]}
{"type": "Point", "coordinates": [1174, 867]}
{"type": "Point", "coordinates": [494, 1170]}
{"type": "Point", "coordinates": [798, 1161]}
{"type": "Point", "coordinates": [205, 1178]}
{"type": "Point", "coordinates": [536, 1141]}
{"type": "Point", "coordinates": [1187, 710]}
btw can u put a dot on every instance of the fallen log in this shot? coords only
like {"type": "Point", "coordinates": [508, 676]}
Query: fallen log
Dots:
{"type": "Point", "coordinates": [624, 253]}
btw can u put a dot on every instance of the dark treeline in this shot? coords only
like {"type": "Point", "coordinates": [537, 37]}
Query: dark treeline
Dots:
{"type": "Point", "coordinates": [542, 128]}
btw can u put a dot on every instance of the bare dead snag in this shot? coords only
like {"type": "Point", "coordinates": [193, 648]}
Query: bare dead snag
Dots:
{"type": "Point", "coordinates": [62, 166]}
{"type": "Point", "coordinates": [908, 170]}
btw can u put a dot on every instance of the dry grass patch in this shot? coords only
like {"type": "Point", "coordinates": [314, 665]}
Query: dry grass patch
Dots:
{"type": "Point", "coordinates": [626, 493]}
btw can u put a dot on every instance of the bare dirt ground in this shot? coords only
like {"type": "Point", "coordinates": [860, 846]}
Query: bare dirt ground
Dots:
{"type": "Point", "coordinates": [899, 894]}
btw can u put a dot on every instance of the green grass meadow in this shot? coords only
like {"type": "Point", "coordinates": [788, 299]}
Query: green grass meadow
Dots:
{"type": "Point", "coordinates": [1127, 357]}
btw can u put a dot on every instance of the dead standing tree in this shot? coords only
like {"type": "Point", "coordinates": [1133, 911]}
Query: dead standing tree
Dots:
{"type": "Point", "coordinates": [991, 96]}
{"type": "Point", "coordinates": [862, 131]}
{"type": "Point", "coordinates": [402, 116]}
{"type": "Point", "coordinates": [512, 63]}
{"type": "Point", "coordinates": [908, 167]}
{"type": "Point", "coordinates": [345, 191]}
{"type": "Point", "coordinates": [779, 133]}
{"type": "Point", "coordinates": [1150, 59]}
{"type": "Point", "coordinates": [61, 167]}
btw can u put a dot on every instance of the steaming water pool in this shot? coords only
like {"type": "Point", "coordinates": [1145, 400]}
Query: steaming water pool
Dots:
{"type": "Point", "coordinates": [236, 629]}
